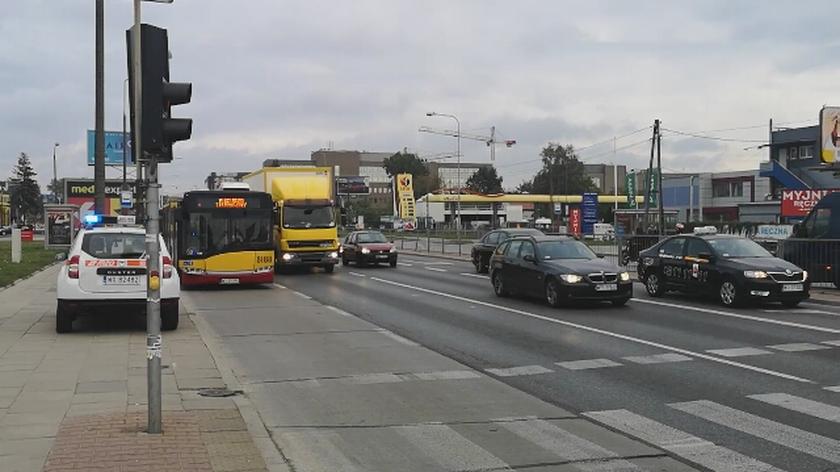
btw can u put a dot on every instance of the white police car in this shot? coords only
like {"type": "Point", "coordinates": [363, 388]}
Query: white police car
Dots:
{"type": "Point", "coordinates": [105, 273]}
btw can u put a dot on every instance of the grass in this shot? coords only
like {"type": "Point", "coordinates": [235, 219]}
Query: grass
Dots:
{"type": "Point", "coordinates": [33, 258]}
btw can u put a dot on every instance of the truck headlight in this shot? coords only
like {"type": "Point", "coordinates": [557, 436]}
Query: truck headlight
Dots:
{"type": "Point", "coordinates": [287, 256]}
{"type": "Point", "coordinates": [333, 255]}
{"type": "Point", "coordinates": [804, 275]}
{"type": "Point", "coordinates": [571, 278]}
{"type": "Point", "coordinates": [755, 274]}
{"type": "Point", "coordinates": [624, 276]}
{"type": "Point", "coordinates": [365, 250]}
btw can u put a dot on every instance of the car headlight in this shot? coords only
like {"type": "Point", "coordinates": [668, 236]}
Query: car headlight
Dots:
{"type": "Point", "coordinates": [341, 249]}
{"type": "Point", "coordinates": [333, 255]}
{"type": "Point", "coordinates": [804, 275]}
{"type": "Point", "coordinates": [571, 278]}
{"type": "Point", "coordinates": [755, 274]}
{"type": "Point", "coordinates": [365, 250]}
{"type": "Point", "coordinates": [287, 256]}
{"type": "Point", "coordinates": [393, 250]}
{"type": "Point", "coordinates": [624, 276]}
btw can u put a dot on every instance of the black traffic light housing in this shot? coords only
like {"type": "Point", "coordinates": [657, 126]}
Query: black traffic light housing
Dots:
{"type": "Point", "coordinates": [158, 129]}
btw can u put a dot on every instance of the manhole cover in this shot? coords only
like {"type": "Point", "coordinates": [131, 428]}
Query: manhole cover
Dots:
{"type": "Point", "coordinates": [218, 392]}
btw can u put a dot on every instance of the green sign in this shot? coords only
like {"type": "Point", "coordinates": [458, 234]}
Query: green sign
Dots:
{"type": "Point", "coordinates": [654, 182]}
{"type": "Point", "coordinates": [630, 189]}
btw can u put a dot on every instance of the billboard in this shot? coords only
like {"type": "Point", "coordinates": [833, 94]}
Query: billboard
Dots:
{"type": "Point", "coordinates": [405, 196]}
{"type": "Point", "coordinates": [797, 203]}
{"type": "Point", "coordinates": [353, 185]}
{"type": "Point", "coordinates": [81, 192]}
{"type": "Point", "coordinates": [829, 134]}
{"type": "Point", "coordinates": [630, 188]}
{"type": "Point", "coordinates": [113, 147]}
{"type": "Point", "coordinates": [589, 208]}
{"type": "Point", "coordinates": [574, 221]}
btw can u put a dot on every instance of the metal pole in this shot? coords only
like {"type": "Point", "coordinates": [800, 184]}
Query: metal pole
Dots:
{"type": "Point", "coordinates": [55, 177]}
{"type": "Point", "coordinates": [428, 229]}
{"type": "Point", "coordinates": [691, 198]}
{"type": "Point", "coordinates": [458, 175]}
{"type": "Point", "coordinates": [99, 155]}
{"type": "Point", "coordinates": [659, 191]}
{"type": "Point", "coordinates": [124, 140]}
{"type": "Point", "coordinates": [137, 143]}
{"type": "Point", "coordinates": [615, 177]}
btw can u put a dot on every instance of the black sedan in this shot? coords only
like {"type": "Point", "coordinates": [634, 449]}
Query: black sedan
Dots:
{"type": "Point", "coordinates": [483, 250]}
{"type": "Point", "coordinates": [560, 269]}
{"type": "Point", "coordinates": [735, 269]}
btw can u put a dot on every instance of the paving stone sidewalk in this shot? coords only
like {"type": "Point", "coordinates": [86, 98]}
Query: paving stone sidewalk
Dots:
{"type": "Point", "coordinates": [77, 401]}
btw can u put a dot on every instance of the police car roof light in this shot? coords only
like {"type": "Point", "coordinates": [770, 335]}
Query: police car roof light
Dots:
{"type": "Point", "coordinates": [93, 219]}
{"type": "Point", "coordinates": [705, 230]}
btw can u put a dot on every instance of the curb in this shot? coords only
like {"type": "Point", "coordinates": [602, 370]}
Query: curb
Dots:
{"type": "Point", "coordinates": [274, 459]}
{"type": "Point", "coordinates": [33, 274]}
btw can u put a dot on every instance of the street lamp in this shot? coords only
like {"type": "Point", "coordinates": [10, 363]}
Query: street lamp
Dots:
{"type": "Point", "coordinates": [457, 177]}
{"type": "Point", "coordinates": [55, 176]}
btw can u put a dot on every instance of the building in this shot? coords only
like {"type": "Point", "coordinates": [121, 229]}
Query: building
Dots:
{"type": "Point", "coordinates": [361, 164]}
{"type": "Point", "coordinates": [447, 173]}
{"type": "Point", "coordinates": [604, 177]}
{"type": "Point", "coordinates": [215, 180]}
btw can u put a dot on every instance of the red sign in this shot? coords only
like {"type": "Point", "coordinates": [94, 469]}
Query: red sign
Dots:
{"type": "Point", "coordinates": [27, 235]}
{"type": "Point", "coordinates": [574, 220]}
{"type": "Point", "coordinates": [798, 203]}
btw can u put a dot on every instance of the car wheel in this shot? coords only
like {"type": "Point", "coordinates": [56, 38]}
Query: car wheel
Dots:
{"type": "Point", "coordinates": [344, 261]}
{"type": "Point", "coordinates": [791, 303]}
{"type": "Point", "coordinates": [499, 286]}
{"type": "Point", "coordinates": [63, 318]}
{"type": "Point", "coordinates": [620, 301]}
{"type": "Point", "coordinates": [729, 293]}
{"type": "Point", "coordinates": [393, 263]}
{"type": "Point", "coordinates": [329, 268]}
{"type": "Point", "coordinates": [169, 317]}
{"type": "Point", "coordinates": [483, 264]}
{"type": "Point", "coordinates": [552, 293]}
{"type": "Point", "coordinates": [361, 263]}
{"type": "Point", "coordinates": [653, 284]}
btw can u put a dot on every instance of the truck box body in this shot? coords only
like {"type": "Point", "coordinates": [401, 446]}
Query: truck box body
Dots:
{"type": "Point", "coordinates": [305, 230]}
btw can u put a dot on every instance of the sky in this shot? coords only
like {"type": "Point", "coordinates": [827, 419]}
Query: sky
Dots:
{"type": "Point", "coordinates": [280, 79]}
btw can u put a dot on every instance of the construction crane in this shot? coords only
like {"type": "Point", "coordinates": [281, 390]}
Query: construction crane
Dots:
{"type": "Point", "coordinates": [490, 141]}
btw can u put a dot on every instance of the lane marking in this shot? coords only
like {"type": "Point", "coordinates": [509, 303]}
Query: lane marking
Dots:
{"type": "Point", "coordinates": [436, 263]}
{"type": "Point", "coordinates": [835, 388]}
{"type": "Point", "coordinates": [738, 352]}
{"type": "Point", "coordinates": [768, 430]}
{"type": "Point", "coordinates": [405, 264]}
{"type": "Point", "coordinates": [804, 311]}
{"type": "Point", "coordinates": [520, 370]}
{"type": "Point", "coordinates": [588, 364]}
{"type": "Point", "coordinates": [658, 358]}
{"type": "Point", "coordinates": [624, 337]}
{"type": "Point", "coordinates": [302, 295]}
{"type": "Point", "coordinates": [280, 286]}
{"type": "Point", "coordinates": [739, 316]}
{"type": "Point", "coordinates": [356, 274]}
{"type": "Point", "coordinates": [436, 269]}
{"type": "Point", "coordinates": [449, 449]}
{"type": "Point", "coordinates": [680, 443]}
{"type": "Point", "coordinates": [833, 342]}
{"type": "Point", "coordinates": [800, 405]}
{"type": "Point", "coordinates": [798, 347]}
{"type": "Point", "coordinates": [477, 276]}
{"type": "Point", "coordinates": [340, 311]}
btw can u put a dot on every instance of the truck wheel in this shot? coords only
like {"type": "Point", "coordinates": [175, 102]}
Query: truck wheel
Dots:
{"type": "Point", "coordinates": [329, 268]}
{"type": "Point", "coordinates": [169, 317]}
{"type": "Point", "coordinates": [63, 318]}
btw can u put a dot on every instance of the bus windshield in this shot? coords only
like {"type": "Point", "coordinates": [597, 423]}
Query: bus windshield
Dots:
{"type": "Point", "coordinates": [213, 232]}
{"type": "Point", "coordinates": [308, 217]}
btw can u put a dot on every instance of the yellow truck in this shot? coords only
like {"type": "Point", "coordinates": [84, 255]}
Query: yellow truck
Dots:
{"type": "Point", "coordinates": [305, 230]}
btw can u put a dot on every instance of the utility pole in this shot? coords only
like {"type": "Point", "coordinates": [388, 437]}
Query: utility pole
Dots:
{"type": "Point", "coordinates": [99, 153]}
{"type": "Point", "coordinates": [615, 178]}
{"type": "Point", "coordinates": [649, 175]}
{"type": "Point", "coordinates": [55, 177]}
{"type": "Point", "coordinates": [659, 192]}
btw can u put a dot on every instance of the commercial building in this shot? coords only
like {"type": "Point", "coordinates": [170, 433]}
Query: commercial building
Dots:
{"type": "Point", "coordinates": [606, 176]}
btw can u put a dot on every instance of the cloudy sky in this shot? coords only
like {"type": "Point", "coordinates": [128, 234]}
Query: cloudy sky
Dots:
{"type": "Point", "coordinates": [280, 79]}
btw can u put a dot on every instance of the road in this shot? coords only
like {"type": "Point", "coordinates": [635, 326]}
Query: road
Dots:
{"type": "Point", "coordinates": [716, 387]}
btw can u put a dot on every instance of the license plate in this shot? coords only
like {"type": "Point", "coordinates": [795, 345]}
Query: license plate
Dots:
{"type": "Point", "coordinates": [121, 280]}
{"type": "Point", "coordinates": [382, 256]}
{"type": "Point", "coordinates": [229, 281]}
{"type": "Point", "coordinates": [606, 287]}
{"type": "Point", "coordinates": [793, 288]}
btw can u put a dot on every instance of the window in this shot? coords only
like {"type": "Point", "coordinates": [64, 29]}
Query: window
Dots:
{"type": "Point", "coordinates": [491, 238]}
{"type": "Point", "coordinates": [566, 250]}
{"type": "Point", "coordinates": [371, 238]}
{"type": "Point", "coordinates": [793, 153]}
{"type": "Point", "coordinates": [695, 247]}
{"type": "Point", "coordinates": [502, 248]}
{"type": "Point", "coordinates": [818, 223]}
{"type": "Point", "coordinates": [727, 188]}
{"type": "Point", "coordinates": [503, 237]}
{"type": "Point", "coordinates": [737, 247]}
{"type": "Point", "coordinates": [114, 245]}
{"type": "Point", "coordinates": [673, 247]}
{"type": "Point", "coordinates": [308, 217]}
{"type": "Point", "coordinates": [513, 248]}
{"type": "Point", "coordinates": [527, 250]}
{"type": "Point", "coordinates": [806, 152]}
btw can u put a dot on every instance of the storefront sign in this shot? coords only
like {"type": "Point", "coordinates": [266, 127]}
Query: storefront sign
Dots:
{"type": "Point", "coordinates": [574, 220]}
{"type": "Point", "coordinates": [798, 203]}
{"type": "Point", "coordinates": [590, 211]}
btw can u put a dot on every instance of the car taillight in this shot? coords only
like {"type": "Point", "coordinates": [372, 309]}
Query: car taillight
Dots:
{"type": "Point", "coordinates": [167, 267]}
{"type": "Point", "coordinates": [73, 267]}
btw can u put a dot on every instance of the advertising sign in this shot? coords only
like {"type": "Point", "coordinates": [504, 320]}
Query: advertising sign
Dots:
{"type": "Point", "coordinates": [630, 189]}
{"type": "Point", "coordinates": [113, 147]}
{"type": "Point", "coordinates": [797, 203]}
{"type": "Point", "coordinates": [405, 196]}
{"type": "Point", "coordinates": [774, 232]}
{"type": "Point", "coordinates": [353, 185]}
{"type": "Point", "coordinates": [829, 134]}
{"type": "Point", "coordinates": [59, 225]}
{"type": "Point", "coordinates": [590, 212]}
{"type": "Point", "coordinates": [81, 192]}
{"type": "Point", "coordinates": [574, 221]}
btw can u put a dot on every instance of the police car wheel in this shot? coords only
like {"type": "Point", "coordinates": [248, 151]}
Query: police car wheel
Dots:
{"type": "Point", "coordinates": [729, 293]}
{"type": "Point", "coordinates": [63, 319]}
{"type": "Point", "coordinates": [169, 318]}
{"type": "Point", "coordinates": [653, 284]}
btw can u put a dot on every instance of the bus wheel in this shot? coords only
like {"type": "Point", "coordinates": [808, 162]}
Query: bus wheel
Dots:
{"type": "Point", "coordinates": [329, 268]}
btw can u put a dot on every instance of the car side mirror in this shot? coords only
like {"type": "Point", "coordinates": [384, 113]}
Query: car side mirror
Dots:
{"type": "Point", "coordinates": [600, 256]}
{"type": "Point", "coordinates": [530, 258]}
{"type": "Point", "coordinates": [706, 255]}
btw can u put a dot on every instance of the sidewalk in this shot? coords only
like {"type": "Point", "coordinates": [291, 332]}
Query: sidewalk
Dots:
{"type": "Point", "coordinates": [77, 402]}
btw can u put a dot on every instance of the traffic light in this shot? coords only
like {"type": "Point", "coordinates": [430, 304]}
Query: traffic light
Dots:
{"type": "Point", "coordinates": [158, 129]}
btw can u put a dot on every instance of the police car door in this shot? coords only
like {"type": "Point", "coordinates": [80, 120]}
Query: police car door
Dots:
{"type": "Point", "coordinates": [700, 273]}
{"type": "Point", "coordinates": [671, 261]}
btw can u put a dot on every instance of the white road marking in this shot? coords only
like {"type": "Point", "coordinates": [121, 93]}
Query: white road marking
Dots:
{"type": "Point", "coordinates": [406, 264]}
{"type": "Point", "coordinates": [599, 331]}
{"type": "Point", "coordinates": [436, 269]}
{"type": "Point", "coordinates": [679, 443]}
{"type": "Point", "coordinates": [356, 274]}
{"type": "Point", "coordinates": [738, 352]}
{"type": "Point", "coordinates": [477, 276]}
{"type": "Point", "coordinates": [567, 445]}
{"type": "Point", "coordinates": [835, 388]}
{"type": "Point", "coordinates": [800, 405]}
{"type": "Point", "coordinates": [802, 311]}
{"type": "Point", "coordinates": [340, 311]}
{"type": "Point", "coordinates": [768, 430]}
{"type": "Point", "coordinates": [520, 370]}
{"type": "Point", "coordinates": [436, 263]}
{"type": "Point", "coordinates": [396, 337]}
{"type": "Point", "coordinates": [790, 324]}
{"type": "Point", "coordinates": [302, 295]}
{"type": "Point", "coordinates": [834, 342]}
{"type": "Point", "coordinates": [449, 449]}
{"type": "Point", "coordinates": [798, 347]}
{"type": "Point", "coordinates": [587, 364]}
{"type": "Point", "coordinates": [324, 448]}
{"type": "Point", "coordinates": [280, 286]}
{"type": "Point", "coordinates": [448, 375]}
{"type": "Point", "coordinates": [658, 358]}
{"type": "Point", "coordinates": [371, 379]}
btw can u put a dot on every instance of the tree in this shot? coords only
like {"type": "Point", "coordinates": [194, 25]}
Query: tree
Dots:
{"type": "Point", "coordinates": [26, 194]}
{"type": "Point", "coordinates": [562, 172]}
{"type": "Point", "coordinates": [485, 180]}
{"type": "Point", "coordinates": [405, 163]}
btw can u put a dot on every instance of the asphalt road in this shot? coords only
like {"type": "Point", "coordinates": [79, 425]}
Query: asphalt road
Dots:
{"type": "Point", "coordinates": [729, 389]}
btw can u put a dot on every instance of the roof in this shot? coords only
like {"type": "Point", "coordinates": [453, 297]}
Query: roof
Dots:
{"type": "Point", "coordinates": [544, 238]}
{"type": "Point", "coordinates": [115, 229]}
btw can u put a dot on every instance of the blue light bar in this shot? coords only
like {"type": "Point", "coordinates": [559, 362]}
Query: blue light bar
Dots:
{"type": "Point", "coordinates": [93, 219]}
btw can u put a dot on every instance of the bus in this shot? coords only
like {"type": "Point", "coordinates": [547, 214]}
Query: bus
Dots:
{"type": "Point", "coordinates": [221, 237]}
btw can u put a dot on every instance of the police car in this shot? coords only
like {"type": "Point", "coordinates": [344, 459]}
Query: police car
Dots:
{"type": "Point", "coordinates": [105, 273]}
{"type": "Point", "coordinates": [735, 269]}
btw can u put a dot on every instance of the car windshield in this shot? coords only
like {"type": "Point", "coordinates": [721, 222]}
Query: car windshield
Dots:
{"type": "Point", "coordinates": [114, 245]}
{"type": "Point", "coordinates": [308, 217]}
{"type": "Point", "coordinates": [736, 248]}
{"type": "Point", "coordinates": [551, 250]}
{"type": "Point", "coordinates": [371, 238]}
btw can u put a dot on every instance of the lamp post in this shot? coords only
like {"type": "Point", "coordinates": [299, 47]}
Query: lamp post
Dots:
{"type": "Point", "coordinates": [457, 176]}
{"type": "Point", "coordinates": [55, 177]}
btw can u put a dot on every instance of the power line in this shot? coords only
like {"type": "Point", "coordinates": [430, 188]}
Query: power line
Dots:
{"type": "Point", "coordinates": [611, 139]}
{"type": "Point", "coordinates": [714, 138]}
{"type": "Point", "coordinates": [628, 146]}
